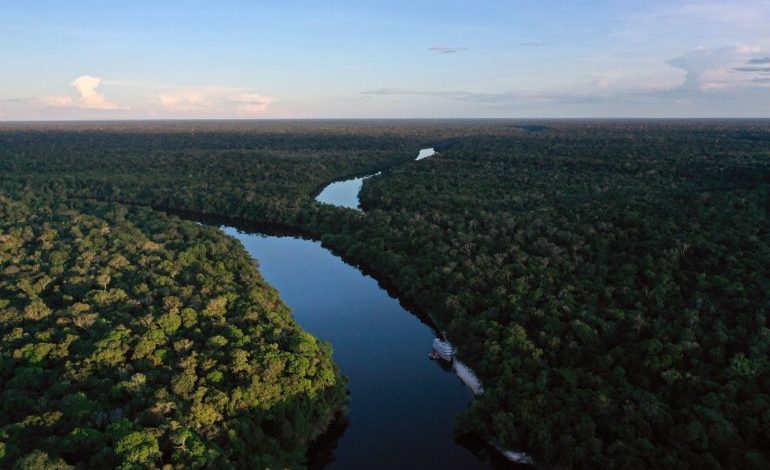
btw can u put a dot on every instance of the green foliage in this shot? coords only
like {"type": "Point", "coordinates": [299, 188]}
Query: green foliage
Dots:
{"type": "Point", "coordinates": [103, 373]}
{"type": "Point", "coordinates": [608, 281]}
{"type": "Point", "coordinates": [39, 460]}
{"type": "Point", "coordinates": [217, 341]}
{"type": "Point", "coordinates": [170, 322]}
{"type": "Point", "coordinates": [137, 450]}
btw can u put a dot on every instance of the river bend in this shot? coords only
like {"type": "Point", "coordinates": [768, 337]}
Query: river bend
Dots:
{"type": "Point", "coordinates": [402, 405]}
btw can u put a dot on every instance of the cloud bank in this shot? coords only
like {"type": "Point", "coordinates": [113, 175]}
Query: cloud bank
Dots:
{"type": "Point", "coordinates": [88, 101]}
{"type": "Point", "coordinates": [251, 104]}
{"type": "Point", "coordinates": [726, 67]}
{"type": "Point", "coordinates": [214, 101]}
{"type": "Point", "coordinates": [185, 101]}
{"type": "Point", "coordinates": [89, 97]}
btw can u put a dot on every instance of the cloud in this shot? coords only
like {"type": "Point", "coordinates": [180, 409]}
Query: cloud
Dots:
{"type": "Point", "coordinates": [752, 69]}
{"type": "Point", "coordinates": [735, 15]}
{"type": "Point", "coordinates": [89, 97]}
{"type": "Point", "coordinates": [446, 50]}
{"type": "Point", "coordinates": [748, 48]}
{"type": "Point", "coordinates": [708, 69]}
{"type": "Point", "coordinates": [86, 86]}
{"type": "Point", "coordinates": [386, 91]}
{"type": "Point", "coordinates": [755, 70]}
{"type": "Point", "coordinates": [661, 27]}
{"type": "Point", "coordinates": [185, 101]}
{"type": "Point", "coordinates": [251, 104]}
{"type": "Point", "coordinates": [214, 101]}
{"type": "Point", "coordinates": [57, 101]}
{"type": "Point", "coordinates": [468, 96]}
{"type": "Point", "coordinates": [637, 79]}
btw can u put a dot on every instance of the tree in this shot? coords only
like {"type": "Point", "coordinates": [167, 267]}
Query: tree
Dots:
{"type": "Point", "coordinates": [138, 449]}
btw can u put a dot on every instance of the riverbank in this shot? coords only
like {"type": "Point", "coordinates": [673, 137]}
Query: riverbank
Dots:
{"type": "Point", "coordinates": [362, 265]}
{"type": "Point", "coordinates": [346, 193]}
{"type": "Point", "coordinates": [402, 407]}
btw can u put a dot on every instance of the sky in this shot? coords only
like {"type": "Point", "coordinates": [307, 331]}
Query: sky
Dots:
{"type": "Point", "coordinates": [169, 59]}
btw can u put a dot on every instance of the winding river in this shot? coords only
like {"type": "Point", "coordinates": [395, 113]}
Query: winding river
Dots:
{"type": "Point", "coordinates": [402, 405]}
{"type": "Point", "coordinates": [345, 193]}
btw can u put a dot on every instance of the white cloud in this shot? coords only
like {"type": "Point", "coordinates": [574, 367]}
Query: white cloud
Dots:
{"type": "Point", "coordinates": [251, 104]}
{"type": "Point", "coordinates": [630, 80]}
{"type": "Point", "coordinates": [86, 86]}
{"type": "Point", "coordinates": [57, 101]}
{"type": "Point", "coordinates": [711, 69]}
{"type": "Point", "coordinates": [186, 101]}
{"type": "Point", "coordinates": [748, 48]}
{"type": "Point", "coordinates": [89, 97]}
{"type": "Point", "coordinates": [716, 78]}
{"type": "Point", "coordinates": [214, 102]}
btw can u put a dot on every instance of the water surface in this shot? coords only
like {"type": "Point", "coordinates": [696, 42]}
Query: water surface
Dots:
{"type": "Point", "coordinates": [402, 405]}
{"type": "Point", "coordinates": [345, 193]}
{"type": "Point", "coordinates": [425, 153]}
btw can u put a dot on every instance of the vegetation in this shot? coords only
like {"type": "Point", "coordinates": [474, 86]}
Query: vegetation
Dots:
{"type": "Point", "coordinates": [131, 339]}
{"type": "Point", "coordinates": [259, 176]}
{"type": "Point", "coordinates": [610, 286]}
{"type": "Point", "coordinates": [608, 281]}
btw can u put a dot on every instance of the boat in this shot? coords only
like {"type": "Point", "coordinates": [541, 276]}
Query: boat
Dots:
{"type": "Point", "coordinates": [442, 349]}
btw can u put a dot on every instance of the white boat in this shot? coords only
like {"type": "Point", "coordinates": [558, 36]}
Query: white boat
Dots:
{"type": "Point", "coordinates": [443, 349]}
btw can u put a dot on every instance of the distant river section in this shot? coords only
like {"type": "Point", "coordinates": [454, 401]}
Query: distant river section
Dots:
{"type": "Point", "coordinates": [345, 193]}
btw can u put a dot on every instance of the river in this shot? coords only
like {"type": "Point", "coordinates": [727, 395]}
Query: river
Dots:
{"type": "Point", "coordinates": [402, 405]}
{"type": "Point", "coordinates": [345, 193]}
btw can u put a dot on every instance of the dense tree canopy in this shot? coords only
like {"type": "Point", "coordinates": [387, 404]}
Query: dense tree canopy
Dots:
{"type": "Point", "coordinates": [610, 287]}
{"type": "Point", "coordinates": [132, 339]}
{"type": "Point", "coordinates": [608, 281]}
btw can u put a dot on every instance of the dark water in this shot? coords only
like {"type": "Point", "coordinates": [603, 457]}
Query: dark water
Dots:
{"type": "Point", "coordinates": [402, 405]}
{"type": "Point", "coordinates": [345, 193]}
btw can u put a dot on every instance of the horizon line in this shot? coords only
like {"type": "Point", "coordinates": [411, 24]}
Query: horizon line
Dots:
{"type": "Point", "coordinates": [579, 118]}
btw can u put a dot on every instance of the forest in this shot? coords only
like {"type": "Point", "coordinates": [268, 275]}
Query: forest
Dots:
{"type": "Point", "coordinates": [130, 339]}
{"type": "Point", "coordinates": [609, 281]}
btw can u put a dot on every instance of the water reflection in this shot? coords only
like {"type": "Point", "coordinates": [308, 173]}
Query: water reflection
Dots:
{"type": "Point", "coordinates": [343, 193]}
{"type": "Point", "coordinates": [402, 406]}
{"type": "Point", "coordinates": [425, 153]}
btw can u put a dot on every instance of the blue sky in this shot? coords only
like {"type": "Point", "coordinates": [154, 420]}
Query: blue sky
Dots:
{"type": "Point", "coordinates": [114, 59]}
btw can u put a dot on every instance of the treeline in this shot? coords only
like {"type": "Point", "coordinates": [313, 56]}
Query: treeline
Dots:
{"type": "Point", "coordinates": [132, 339]}
{"type": "Point", "coordinates": [610, 286]}
{"type": "Point", "coordinates": [260, 176]}
{"type": "Point", "coordinates": [608, 281]}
